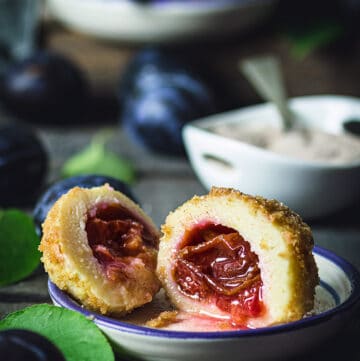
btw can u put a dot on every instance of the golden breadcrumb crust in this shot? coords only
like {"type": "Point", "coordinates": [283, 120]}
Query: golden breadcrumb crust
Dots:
{"type": "Point", "coordinates": [164, 319]}
{"type": "Point", "coordinates": [291, 247]}
{"type": "Point", "coordinates": [70, 263]}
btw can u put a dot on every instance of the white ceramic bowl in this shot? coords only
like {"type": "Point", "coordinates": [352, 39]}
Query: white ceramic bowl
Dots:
{"type": "Point", "coordinates": [339, 288]}
{"type": "Point", "coordinates": [312, 189]}
{"type": "Point", "coordinates": [124, 20]}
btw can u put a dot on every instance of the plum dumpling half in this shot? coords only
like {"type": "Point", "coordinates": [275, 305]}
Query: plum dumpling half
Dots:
{"type": "Point", "coordinates": [244, 259]}
{"type": "Point", "coordinates": [101, 248]}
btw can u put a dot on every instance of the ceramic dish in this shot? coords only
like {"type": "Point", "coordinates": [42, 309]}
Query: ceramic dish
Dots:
{"type": "Point", "coordinates": [337, 295]}
{"type": "Point", "coordinates": [160, 21]}
{"type": "Point", "coordinates": [312, 189]}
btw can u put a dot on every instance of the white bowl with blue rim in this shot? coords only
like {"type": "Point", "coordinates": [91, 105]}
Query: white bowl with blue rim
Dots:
{"type": "Point", "coordinates": [311, 188]}
{"type": "Point", "coordinates": [338, 292]}
{"type": "Point", "coordinates": [160, 20]}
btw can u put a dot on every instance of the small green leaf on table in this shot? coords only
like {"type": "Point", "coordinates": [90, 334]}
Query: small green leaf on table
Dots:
{"type": "Point", "coordinates": [95, 159]}
{"type": "Point", "coordinates": [19, 255]}
{"type": "Point", "coordinates": [77, 337]}
{"type": "Point", "coordinates": [305, 41]}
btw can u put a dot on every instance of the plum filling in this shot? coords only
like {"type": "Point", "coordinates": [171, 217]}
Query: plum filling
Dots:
{"type": "Point", "coordinates": [119, 242]}
{"type": "Point", "coordinates": [216, 264]}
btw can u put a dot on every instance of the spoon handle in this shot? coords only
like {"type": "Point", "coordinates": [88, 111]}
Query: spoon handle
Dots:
{"type": "Point", "coordinates": [264, 73]}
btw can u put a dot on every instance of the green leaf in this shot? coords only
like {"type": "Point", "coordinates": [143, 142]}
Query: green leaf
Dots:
{"type": "Point", "coordinates": [19, 255]}
{"type": "Point", "coordinates": [77, 337]}
{"type": "Point", "coordinates": [318, 35]}
{"type": "Point", "coordinates": [95, 159]}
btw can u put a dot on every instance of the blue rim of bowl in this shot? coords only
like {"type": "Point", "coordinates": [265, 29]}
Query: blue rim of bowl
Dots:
{"type": "Point", "coordinates": [209, 3]}
{"type": "Point", "coordinates": [192, 5]}
{"type": "Point", "coordinates": [62, 299]}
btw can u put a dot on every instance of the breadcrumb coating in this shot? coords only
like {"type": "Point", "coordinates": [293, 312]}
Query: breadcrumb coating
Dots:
{"type": "Point", "coordinates": [279, 237]}
{"type": "Point", "coordinates": [72, 266]}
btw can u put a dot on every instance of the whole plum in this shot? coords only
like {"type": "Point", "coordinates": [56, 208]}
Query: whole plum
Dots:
{"type": "Point", "coordinates": [56, 190]}
{"type": "Point", "coordinates": [20, 345]}
{"type": "Point", "coordinates": [159, 94]}
{"type": "Point", "coordinates": [46, 87]}
{"type": "Point", "coordinates": [23, 165]}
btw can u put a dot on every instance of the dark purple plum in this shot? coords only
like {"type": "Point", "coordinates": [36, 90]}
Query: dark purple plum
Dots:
{"type": "Point", "coordinates": [46, 87]}
{"type": "Point", "coordinates": [23, 165]}
{"type": "Point", "coordinates": [21, 345]}
{"type": "Point", "coordinates": [149, 60]}
{"type": "Point", "coordinates": [159, 94]}
{"type": "Point", "coordinates": [56, 190]}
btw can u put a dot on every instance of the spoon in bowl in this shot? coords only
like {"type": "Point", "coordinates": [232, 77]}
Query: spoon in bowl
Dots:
{"type": "Point", "coordinates": [264, 73]}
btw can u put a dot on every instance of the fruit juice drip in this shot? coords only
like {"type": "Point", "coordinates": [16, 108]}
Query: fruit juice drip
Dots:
{"type": "Point", "coordinates": [215, 264]}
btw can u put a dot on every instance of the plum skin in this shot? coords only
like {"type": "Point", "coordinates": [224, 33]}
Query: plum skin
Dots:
{"type": "Point", "coordinates": [56, 190]}
{"type": "Point", "coordinates": [23, 165]}
{"type": "Point", "coordinates": [159, 94]}
{"type": "Point", "coordinates": [16, 345]}
{"type": "Point", "coordinates": [46, 87]}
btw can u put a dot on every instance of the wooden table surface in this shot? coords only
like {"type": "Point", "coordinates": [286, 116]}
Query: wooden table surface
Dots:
{"type": "Point", "coordinates": [164, 183]}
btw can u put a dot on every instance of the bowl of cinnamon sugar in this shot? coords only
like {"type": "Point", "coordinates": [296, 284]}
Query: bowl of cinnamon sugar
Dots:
{"type": "Point", "coordinates": [314, 168]}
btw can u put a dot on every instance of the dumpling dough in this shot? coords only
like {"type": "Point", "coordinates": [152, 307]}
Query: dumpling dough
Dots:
{"type": "Point", "coordinates": [101, 248]}
{"type": "Point", "coordinates": [245, 259]}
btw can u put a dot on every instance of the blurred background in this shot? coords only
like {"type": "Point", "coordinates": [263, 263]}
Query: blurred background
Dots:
{"type": "Point", "coordinates": [71, 68]}
{"type": "Point", "coordinates": [317, 41]}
